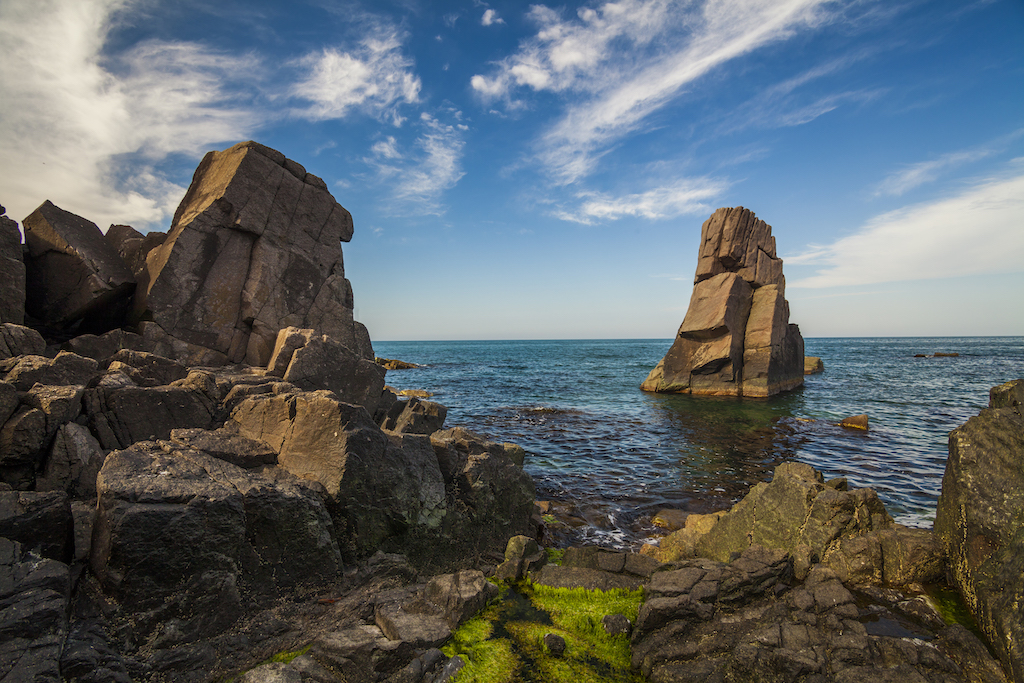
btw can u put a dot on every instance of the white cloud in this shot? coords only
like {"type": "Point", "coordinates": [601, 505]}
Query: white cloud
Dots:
{"type": "Point", "coordinates": [420, 176]}
{"type": "Point", "coordinates": [624, 61]}
{"type": "Point", "coordinates": [974, 232]}
{"type": "Point", "coordinates": [86, 137]}
{"type": "Point", "coordinates": [375, 78]}
{"type": "Point", "coordinates": [914, 175]}
{"type": "Point", "coordinates": [685, 196]}
{"type": "Point", "coordinates": [491, 17]}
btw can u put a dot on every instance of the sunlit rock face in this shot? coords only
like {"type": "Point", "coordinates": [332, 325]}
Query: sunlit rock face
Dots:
{"type": "Point", "coordinates": [254, 247]}
{"type": "Point", "coordinates": [736, 339]}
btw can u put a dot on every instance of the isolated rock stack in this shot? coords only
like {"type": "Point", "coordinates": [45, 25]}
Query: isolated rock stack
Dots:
{"type": "Point", "coordinates": [736, 339]}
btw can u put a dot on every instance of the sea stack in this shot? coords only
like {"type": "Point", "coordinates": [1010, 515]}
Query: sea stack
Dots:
{"type": "Point", "coordinates": [736, 339]}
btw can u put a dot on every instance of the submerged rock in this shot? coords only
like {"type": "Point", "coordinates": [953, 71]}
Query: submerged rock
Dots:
{"type": "Point", "coordinates": [736, 339]}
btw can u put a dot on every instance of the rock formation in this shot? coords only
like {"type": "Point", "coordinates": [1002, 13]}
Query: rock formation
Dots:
{"type": "Point", "coordinates": [12, 272]}
{"type": "Point", "coordinates": [736, 339]}
{"type": "Point", "coordinates": [254, 247]}
{"type": "Point", "coordinates": [980, 519]}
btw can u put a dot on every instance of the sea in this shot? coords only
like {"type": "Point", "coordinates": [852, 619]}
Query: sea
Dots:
{"type": "Point", "coordinates": [614, 456]}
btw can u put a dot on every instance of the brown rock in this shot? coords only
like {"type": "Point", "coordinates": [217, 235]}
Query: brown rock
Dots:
{"type": "Point", "coordinates": [736, 339]}
{"type": "Point", "coordinates": [855, 422]}
{"type": "Point", "coordinates": [254, 247]}
{"type": "Point", "coordinates": [18, 340]}
{"type": "Point", "coordinates": [813, 365]}
{"type": "Point", "coordinates": [75, 279]}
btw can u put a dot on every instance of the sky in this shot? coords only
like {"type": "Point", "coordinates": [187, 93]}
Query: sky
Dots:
{"type": "Point", "coordinates": [542, 171]}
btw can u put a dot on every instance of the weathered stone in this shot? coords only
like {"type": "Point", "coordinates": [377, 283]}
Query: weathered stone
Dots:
{"type": "Point", "coordinates": [225, 445]}
{"type": "Point", "coordinates": [146, 369]}
{"type": "Point", "coordinates": [361, 654]}
{"type": "Point", "coordinates": [132, 246]}
{"type": "Point", "coordinates": [422, 630]}
{"type": "Point", "coordinates": [416, 417]}
{"type": "Point", "coordinates": [795, 508]}
{"type": "Point", "coordinates": [324, 363]}
{"type": "Point", "coordinates": [555, 644]}
{"type": "Point", "coordinates": [252, 249]}
{"type": "Point", "coordinates": [66, 369]}
{"type": "Point", "coordinates": [581, 577]}
{"type": "Point", "coordinates": [275, 672]}
{"type": "Point", "coordinates": [616, 624]}
{"type": "Point", "coordinates": [23, 438]}
{"type": "Point", "coordinates": [172, 520]}
{"type": "Point", "coordinates": [813, 365]}
{"type": "Point", "coordinates": [40, 521]}
{"type": "Point", "coordinates": [75, 279]}
{"type": "Point", "coordinates": [34, 598]}
{"type": "Point", "coordinates": [18, 340]}
{"type": "Point", "coordinates": [12, 272]}
{"type": "Point", "coordinates": [736, 338]}
{"type": "Point", "coordinates": [127, 414]}
{"type": "Point", "coordinates": [74, 461]}
{"type": "Point", "coordinates": [980, 520]}
{"type": "Point", "coordinates": [380, 487]}
{"type": "Point", "coordinates": [101, 347]}
{"type": "Point", "coordinates": [459, 595]}
{"type": "Point", "coordinates": [855, 422]}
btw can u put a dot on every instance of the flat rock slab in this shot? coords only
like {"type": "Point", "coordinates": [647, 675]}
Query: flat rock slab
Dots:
{"type": "Point", "coordinates": [580, 577]}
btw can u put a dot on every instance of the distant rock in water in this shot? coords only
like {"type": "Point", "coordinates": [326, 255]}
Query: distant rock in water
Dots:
{"type": "Point", "coordinates": [736, 339]}
{"type": "Point", "coordinates": [813, 365]}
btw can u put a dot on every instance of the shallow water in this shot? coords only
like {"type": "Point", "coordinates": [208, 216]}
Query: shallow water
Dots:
{"type": "Point", "coordinates": [617, 454]}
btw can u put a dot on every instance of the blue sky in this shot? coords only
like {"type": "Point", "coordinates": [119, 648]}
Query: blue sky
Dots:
{"type": "Point", "coordinates": [521, 171]}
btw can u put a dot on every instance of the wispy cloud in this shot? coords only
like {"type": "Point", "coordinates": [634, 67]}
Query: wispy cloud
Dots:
{"type": "Point", "coordinates": [685, 196]}
{"type": "Point", "coordinates": [624, 61]}
{"type": "Point", "coordinates": [375, 77]}
{"type": "Point", "coordinates": [71, 126]}
{"type": "Point", "coordinates": [421, 175]}
{"type": "Point", "coordinates": [968, 234]}
{"type": "Point", "coordinates": [491, 17]}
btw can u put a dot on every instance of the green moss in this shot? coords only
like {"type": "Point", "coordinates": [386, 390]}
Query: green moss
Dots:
{"type": "Point", "coordinates": [505, 642]}
{"type": "Point", "coordinates": [555, 555]}
{"type": "Point", "coordinates": [953, 609]}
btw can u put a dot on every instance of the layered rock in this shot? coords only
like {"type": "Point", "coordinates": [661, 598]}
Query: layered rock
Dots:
{"type": "Point", "coordinates": [736, 338]}
{"type": "Point", "coordinates": [75, 279]}
{"type": "Point", "coordinates": [980, 519]}
{"type": "Point", "coordinates": [254, 247]}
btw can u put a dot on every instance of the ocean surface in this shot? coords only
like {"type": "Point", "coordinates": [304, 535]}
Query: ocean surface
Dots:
{"type": "Point", "coordinates": [614, 455]}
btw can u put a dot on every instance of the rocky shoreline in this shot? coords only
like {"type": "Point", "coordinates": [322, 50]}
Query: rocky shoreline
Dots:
{"type": "Point", "coordinates": [201, 467]}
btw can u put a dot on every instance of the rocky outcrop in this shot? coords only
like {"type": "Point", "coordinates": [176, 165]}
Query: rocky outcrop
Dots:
{"type": "Point", "coordinates": [254, 247]}
{"type": "Point", "coordinates": [75, 280]}
{"type": "Point", "coordinates": [736, 339]}
{"type": "Point", "coordinates": [980, 519]}
{"type": "Point", "coordinates": [12, 272]}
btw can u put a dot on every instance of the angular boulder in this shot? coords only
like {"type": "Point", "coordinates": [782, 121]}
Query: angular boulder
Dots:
{"type": "Point", "coordinates": [254, 247]}
{"type": "Point", "coordinates": [75, 279]}
{"type": "Point", "coordinates": [736, 339]}
{"type": "Point", "coordinates": [980, 519]}
{"type": "Point", "coordinates": [12, 272]}
{"type": "Point", "coordinates": [18, 340]}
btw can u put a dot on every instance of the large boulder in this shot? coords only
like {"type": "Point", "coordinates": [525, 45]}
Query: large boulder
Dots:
{"type": "Point", "coordinates": [122, 415]}
{"type": "Point", "coordinates": [18, 340]}
{"type": "Point", "coordinates": [980, 519]}
{"type": "Point", "coordinates": [190, 536]}
{"type": "Point", "coordinates": [736, 339]}
{"type": "Point", "coordinates": [12, 272]}
{"type": "Point", "coordinates": [75, 279]}
{"type": "Point", "coordinates": [255, 246]}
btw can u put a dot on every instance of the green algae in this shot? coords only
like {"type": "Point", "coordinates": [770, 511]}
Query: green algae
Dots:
{"type": "Point", "coordinates": [505, 642]}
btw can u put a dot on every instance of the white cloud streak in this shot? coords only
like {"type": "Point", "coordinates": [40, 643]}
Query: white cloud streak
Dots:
{"type": "Point", "coordinates": [685, 196]}
{"type": "Point", "coordinates": [419, 177]}
{"type": "Point", "coordinates": [68, 125]}
{"type": "Point", "coordinates": [629, 59]}
{"type": "Point", "coordinates": [915, 175]}
{"type": "Point", "coordinates": [975, 232]}
{"type": "Point", "coordinates": [490, 18]}
{"type": "Point", "coordinates": [374, 78]}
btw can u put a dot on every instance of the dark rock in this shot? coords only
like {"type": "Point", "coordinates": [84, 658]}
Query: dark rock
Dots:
{"type": "Point", "coordinates": [132, 246]}
{"type": "Point", "coordinates": [40, 521]}
{"type": "Point", "coordinates": [247, 224]}
{"type": "Point", "coordinates": [422, 627]}
{"type": "Point", "coordinates": [736, 338]}
{"type": "Point", "coordinates": [102, 347]}
{"type": "Point", "coordinates": [225, 445]}
{"type": "Point", "coordinates": [75, 279]}
{"type": "Point", "coordinates": [18, 340]}
{"type": "Point", "coordinates": [88, 656]}
{"type": "Point", "coordinates": [522, 556]}
{"type": "Point", "coordinates": [392, 364]}
{"type": "Point", "coordinates": [187, 534]}
{"type": "Point", "coordinates": [415, 417]}
{"type": "Point", "coordinates": [146, 369]}
{"type": "Point", "coordinates": [580, 577]}
{"type": "Point", "coordinates": [12, 272]}
{"type": "Point", "coordinates": [616, 624]}
{"type": "Point", "coordinates": [124, 415]}
{"type": "Point", "coordinates": [555, 644]}
{"type": "Point", "coordinates": [980, 520]}
{"type": "Point", "coordinates": [361, 654]}
{"type": "Point", "coordinates": [34, 598]}
{"type": "Point", "coordinates": [74, 461]}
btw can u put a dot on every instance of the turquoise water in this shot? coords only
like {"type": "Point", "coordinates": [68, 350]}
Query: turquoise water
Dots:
{"type": "Point", "coordinates": [616, 455]}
